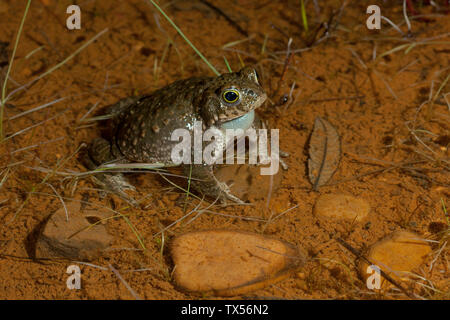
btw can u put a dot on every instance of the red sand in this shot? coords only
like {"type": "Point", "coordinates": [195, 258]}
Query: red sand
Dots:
{"type": "Point", "coordinates": [370, 102]}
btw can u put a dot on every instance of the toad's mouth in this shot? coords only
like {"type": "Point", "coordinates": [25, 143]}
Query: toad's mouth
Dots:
{"type": "Point", "coordinates": [243, 122]}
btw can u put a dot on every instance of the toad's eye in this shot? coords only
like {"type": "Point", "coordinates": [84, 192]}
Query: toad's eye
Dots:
{"type": "Point", "coordinates": [230, 96]}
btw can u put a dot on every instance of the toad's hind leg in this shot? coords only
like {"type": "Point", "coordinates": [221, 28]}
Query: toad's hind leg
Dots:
{"type": "Point", "coordinates": [204, 181]}
{"type": "Point", "coordinates": [98, 153]}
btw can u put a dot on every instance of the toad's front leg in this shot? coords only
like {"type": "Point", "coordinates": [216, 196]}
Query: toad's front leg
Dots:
{"type": "Point", "coordinates": [203, 180]}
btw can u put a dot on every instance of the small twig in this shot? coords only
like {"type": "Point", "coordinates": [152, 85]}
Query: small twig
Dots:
{"type": "Point", "coordinates": [384, 274]}
{"type": "Point", "coordinates": [361, 175]}
{"type": "Point", "coordinates": [223, 14]}
{"type": "Point", "coordinates": [287, 61]}
{"type": "Point", "coordinates": [339, 15]}
{"type": "Point", "coordinates": [337, 99]}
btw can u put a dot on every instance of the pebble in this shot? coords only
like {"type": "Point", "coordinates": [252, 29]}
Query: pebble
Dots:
{"type": "Point", "coordinates": [76, 238]}
{"type": "Point", "coordinates": [396, 254]}
{"type": "Point", "coordinates": [229, 263]}
{"type": "Point", "coordinates": [341, 206]}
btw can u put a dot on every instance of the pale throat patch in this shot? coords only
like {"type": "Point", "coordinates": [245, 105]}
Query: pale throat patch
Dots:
{"type": "Point", "coordinates": [244, 122]}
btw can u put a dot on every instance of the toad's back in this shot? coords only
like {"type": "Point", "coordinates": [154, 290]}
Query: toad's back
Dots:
{"type": "Point", "coordinates": [143, 129]}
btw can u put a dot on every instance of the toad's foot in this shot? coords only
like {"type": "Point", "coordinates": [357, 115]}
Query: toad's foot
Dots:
{"type": "Point", "coordinates": [99, 152]}
{"type": "Point", "coordinates": [204, 181]}
{"type": "Point", "coordinates": [117, 184]}
{"type": "Point", "coordinates": [226, 192]}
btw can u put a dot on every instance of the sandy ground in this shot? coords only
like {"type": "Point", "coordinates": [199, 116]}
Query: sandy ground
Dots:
{"type": "Point", "coordinates": [394, 154]}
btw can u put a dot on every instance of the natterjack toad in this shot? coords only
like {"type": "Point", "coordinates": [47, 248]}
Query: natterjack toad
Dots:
{"type": "Point", "coordinates": [142, 126]}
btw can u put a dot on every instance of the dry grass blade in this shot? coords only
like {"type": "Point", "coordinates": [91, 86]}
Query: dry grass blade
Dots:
{"type": "Point", "coordinates": [181, 219]}
{"type": "Point", "coordinates": [324, 153]}
{"type": "Point", "coordinates": [184, 37]}
{"type": "Point", "coordinates": [5, 176]}
{"type": "Point", "coordinates": [3, 96]}
{"type": "Point", "coordinates": [133, 293]}
{"type": "Point", "coordinates": [34, 126]}
{"type": "Point", "coordinates": [48, 104]}
{"type": "Point", "coordinates": [57, 66]}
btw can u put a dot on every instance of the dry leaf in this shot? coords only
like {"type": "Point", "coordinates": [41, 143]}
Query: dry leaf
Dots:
{"type": "Point", "coordinates": [324, 153]}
